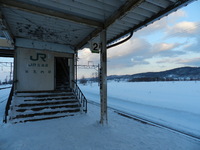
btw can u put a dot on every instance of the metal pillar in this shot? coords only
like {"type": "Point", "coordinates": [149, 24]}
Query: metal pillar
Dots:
{"type": "Point", "coordinates": [72, 71]}
{"type": "Point", "coordinates": [103, 76]}
{"type": "Point", "coordinates": [75, 66]}
{"type": "Point", "coordinates": [15, 70]}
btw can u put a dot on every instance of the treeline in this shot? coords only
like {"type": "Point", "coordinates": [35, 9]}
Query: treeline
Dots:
{"type": "Point", "coordinates": [6, 82]}
{"type": "Point", "coordinates": [139, 79]}
{"type": "Point", "coordinates": [151, 79]}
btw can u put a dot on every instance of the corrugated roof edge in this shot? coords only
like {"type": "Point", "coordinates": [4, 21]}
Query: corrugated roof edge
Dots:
{"type": "Point", "coordinates": [158, 16]}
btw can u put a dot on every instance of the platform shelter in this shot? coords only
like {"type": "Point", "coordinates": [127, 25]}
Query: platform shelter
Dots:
{"type": "Point", "coordinates": [45, 37]}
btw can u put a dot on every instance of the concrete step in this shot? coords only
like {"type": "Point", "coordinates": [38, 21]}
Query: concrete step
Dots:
{"type": "Point", "coordinates": [35, 106]}
{"type": "Point", "coordinates": [46, 95]}
{"type": "Point", "coordinates": [45, 103]}
{"type": "Point", "coordinates": [39, 108]}
{"type": "Point", "coordinates": [46, 113]}
{"type": "Point", "coordinates": [42, 118]}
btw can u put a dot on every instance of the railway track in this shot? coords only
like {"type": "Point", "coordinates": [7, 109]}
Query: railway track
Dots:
{"type": "Point", "coordinates": [149, 122]}
{"type": "Point", "coordinates": [5, 88]}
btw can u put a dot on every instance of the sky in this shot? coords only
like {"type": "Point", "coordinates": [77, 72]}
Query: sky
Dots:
{"type": "Point", "coordinates": [171, 42]}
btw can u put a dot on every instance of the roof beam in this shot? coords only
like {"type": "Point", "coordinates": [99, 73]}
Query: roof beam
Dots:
{"type": "Point", "coordinates": [6, 53]}
{"type": "Point", "coordinates": [41, 45]}
{"type": "Point", "coordinates": [6, 30]}
{"type": "Point", "coordinates": [129, 4]}
{"type": "Point", "coordinates": [50, 12]}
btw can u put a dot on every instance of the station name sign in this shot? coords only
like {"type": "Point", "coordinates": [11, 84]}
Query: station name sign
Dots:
{"type": "Point", "coordinates": [38, 63]}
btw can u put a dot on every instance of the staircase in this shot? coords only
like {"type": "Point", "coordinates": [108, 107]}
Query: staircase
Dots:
{"type": "Point", "coordinates": [61, 84]}
{"type": "Point", "coordinates": [35, 106]}
{"type": "Point", "coordinates": [43, 105]}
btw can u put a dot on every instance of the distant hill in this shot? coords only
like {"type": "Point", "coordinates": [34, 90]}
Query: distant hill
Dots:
{"type": "Point", "coordinates": [184, 73]}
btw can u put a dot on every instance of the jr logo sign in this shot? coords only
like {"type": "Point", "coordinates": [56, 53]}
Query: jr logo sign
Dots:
{"type": "Point", "coordinates": [39, 56]}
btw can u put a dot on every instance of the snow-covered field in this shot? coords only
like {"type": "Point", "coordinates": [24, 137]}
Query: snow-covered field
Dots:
{"type": "Point", "coordinates": [174, 104]}
{"type": "Point", "coordinates": [83, 132]}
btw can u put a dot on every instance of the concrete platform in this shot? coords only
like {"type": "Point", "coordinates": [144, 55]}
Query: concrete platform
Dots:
{"type": "Point", "coordinates": [84, 132]}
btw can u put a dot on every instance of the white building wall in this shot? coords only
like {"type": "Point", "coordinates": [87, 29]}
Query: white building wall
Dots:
{"type": "Point", "coordinates": [35, 69]}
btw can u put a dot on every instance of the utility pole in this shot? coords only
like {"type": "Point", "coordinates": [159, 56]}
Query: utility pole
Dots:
{"type": "Point", "coordinates": [89, 66]}
{"type": "Point", "coordinates": [11, 66]}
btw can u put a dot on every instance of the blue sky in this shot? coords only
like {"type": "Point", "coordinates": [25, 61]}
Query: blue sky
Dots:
{"type": "Point", "coordinates": [173, 41]}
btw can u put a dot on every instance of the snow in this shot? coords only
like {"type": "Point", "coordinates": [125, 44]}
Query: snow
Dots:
{"type": "Point", "coordinates": [5, 86]}
{"type": "Point", "coordinates": [3, 99]}
{"type": "Point", "coordinates": [173, 104]}
{"type": "Point", "coordinates": [83, 132]}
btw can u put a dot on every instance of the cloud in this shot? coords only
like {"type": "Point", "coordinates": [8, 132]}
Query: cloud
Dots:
{"type": "Point", "coordinates": [162, 24]}
{"type": "Point", "coordinates": [151, 46]}
{"type": "Point", "coordinates": [129, 54]}
{"type": "Point", "coordinates": [152, 28]}
{"type": "Point", "coordinates": [136, 51]}
{"type": "Point", "coordinates": [139, 60]}
{"type": "Point", "coordinates": [132, 47]}
{"type": "Point", "coordinates": [193, 46]}
{"type": "Point", "coordinates": [193, 61]}
{"type": "Point", "coordinates": [160, 47]}
{"type": "Point", "coordinates": [86, 56]}
{"type": "Point", "coordinates": [125, 55]}
{"type": "Point", "coordinates": [190, 61]}
{"type": "Point", "coordinates": [126, 62]}
{"type": "Point", "coordinates": [183, 61]}
{"type": "Point", "coordinates": [176, 16]}
{"type": "Point", "coordinates": [183, 29]}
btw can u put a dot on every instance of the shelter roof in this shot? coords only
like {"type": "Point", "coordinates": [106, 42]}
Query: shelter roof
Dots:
{"type": "Point", "coordinates": [73, 23]}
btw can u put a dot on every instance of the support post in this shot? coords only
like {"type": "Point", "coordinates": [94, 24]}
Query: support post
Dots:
{"type": "Point", "coordinates": [15, 80]}
{"type": "Point", "coordinates": [72, 71]}
{"type": "Point", "coordinates": [76, 66]}
{"type": "Point", "coordinates": [103, 78]}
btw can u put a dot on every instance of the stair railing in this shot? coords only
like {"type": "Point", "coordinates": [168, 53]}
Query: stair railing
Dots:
{"type": "Point", "coordinates": [80, 96]}
{"type": "Point", "coordinates": [8, 104]}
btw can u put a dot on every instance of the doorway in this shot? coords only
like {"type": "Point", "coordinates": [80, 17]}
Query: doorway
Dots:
{"type": "Point", "coordinates": [62, 73]}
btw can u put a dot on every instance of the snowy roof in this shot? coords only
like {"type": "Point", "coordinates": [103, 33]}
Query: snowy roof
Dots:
{"type": "Point", "coordinates": [75, 22]}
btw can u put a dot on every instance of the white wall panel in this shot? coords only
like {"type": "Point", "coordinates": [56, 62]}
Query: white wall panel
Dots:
{"type": "Point", "coordinates": [35, 69]}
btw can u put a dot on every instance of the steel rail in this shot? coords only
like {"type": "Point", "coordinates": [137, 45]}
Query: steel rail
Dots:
{"type": "Point", "coordinates": [5, 88]}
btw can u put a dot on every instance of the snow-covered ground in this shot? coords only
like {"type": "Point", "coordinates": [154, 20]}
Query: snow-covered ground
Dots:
{"type": "Point", "coordinates": [174, 104]}
{"type": "Point", "coordinates": [4, 93]}
{"type": "Point", "coordinates": [5, 86]}
{"type": "Point", "coordinates": [83, 132]}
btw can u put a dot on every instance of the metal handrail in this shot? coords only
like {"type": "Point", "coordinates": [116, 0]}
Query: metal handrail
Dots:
{"type": "Point", "coordinates": [8, 104]}
{"type": "Point", "coordinates": [80, 96]}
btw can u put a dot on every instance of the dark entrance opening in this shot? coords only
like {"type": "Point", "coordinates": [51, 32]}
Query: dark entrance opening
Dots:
{"type": "Point", "coordinates": [61, 73]}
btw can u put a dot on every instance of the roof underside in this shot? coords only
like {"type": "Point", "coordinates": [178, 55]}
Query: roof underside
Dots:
{"type": "Point", "coordinates": [74, 23]}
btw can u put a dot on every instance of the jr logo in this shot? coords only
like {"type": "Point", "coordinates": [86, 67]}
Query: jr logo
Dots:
{"type": "Point", "coordinates": [39, 56]}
